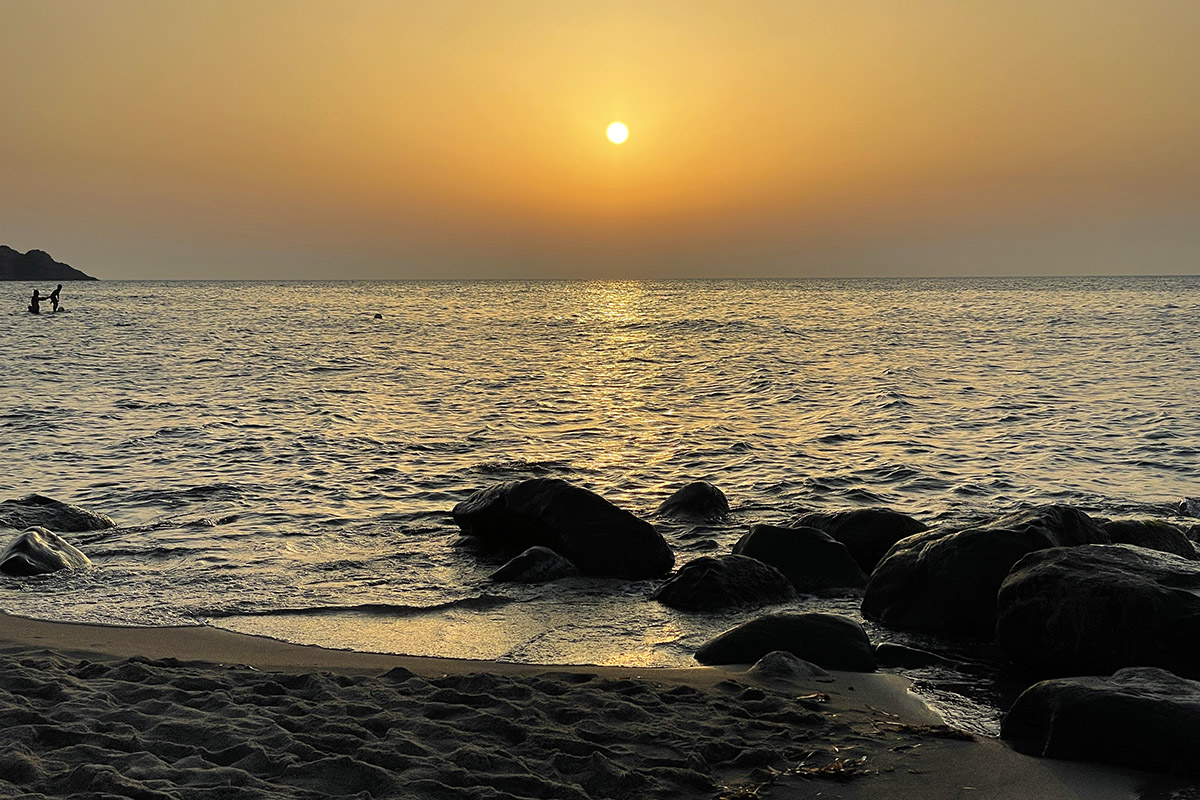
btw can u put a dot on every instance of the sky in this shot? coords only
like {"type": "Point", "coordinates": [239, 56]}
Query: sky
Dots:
{"type": "Point", "coordinates": [314, 139]}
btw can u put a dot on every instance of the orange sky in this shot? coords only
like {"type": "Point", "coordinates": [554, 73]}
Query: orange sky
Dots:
{"type": "Point", "coordinates": [355, 138]}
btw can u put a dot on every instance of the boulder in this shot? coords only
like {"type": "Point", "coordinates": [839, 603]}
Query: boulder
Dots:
{"type": "Point", "coordinates": [868, 533]}
{"type": "Point", "coordinates": [828, 640]}
{"type": "Point", "coordinates": [38, 551]}
{"type": "Point", "coordinates": [781, 665]}
{"type": "Point", "coordinates": [599, 538]}
{"type": "Point", "coordinates": [697, 501]}
{"type": "Point", "coordinates": [712, 582]}
{"type": "Point", "coordinates": [944, 581]}
{"type": "Point", "coordinates": [813, 561]}
{"type": "Point", "coordinates": [535, 565]}
{"type": "Point", "coordinates": [1093, 610]}
{"type": "Point", "coordinates": [1141, 717]}
{"type": "Point", "coordinates": [37, 511]}
{"type": "Point", "coordinates": [1152, 533]}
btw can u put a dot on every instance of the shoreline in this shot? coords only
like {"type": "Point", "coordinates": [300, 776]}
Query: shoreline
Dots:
{"type": "Point", "coordinates": [217, 647]}
{"type": "Point", "coordinates": [866, 735]}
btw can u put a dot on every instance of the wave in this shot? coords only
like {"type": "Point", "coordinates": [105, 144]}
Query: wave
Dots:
{"type": "Point", "coordinates": [481, 602]}
{"type": "Point", "coordinates": [203, 492]}
{"type": "Point", "coordinates": [521, 466]}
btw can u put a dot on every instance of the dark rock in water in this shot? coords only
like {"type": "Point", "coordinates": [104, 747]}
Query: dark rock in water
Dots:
{"type": "Point", "coordinates": [378, 316]}
{"type": "Point", "coordinates": [697, 500]}
{"type": "Point", "coordinates": [37, 511]}
{"type": "Point", "coordinates": [1141, 717]}
{"type": "Point", "coordinates": [38, 551]}
{"type": "Point", "coordinates": [35, 265]}
{"type": "Point", "coordinates": [868, 533]}
{"type": "Point", "coordinates": [890, 654]}
{"type": "Point", "coordinates": [1092, 610]}
{"type": "Point", "coordinates": [781, 665]}
{"type": "Point", "coordinates": [599, 538]}
{"type": "Point", "coordinates": [945, 581]}
{"type": "Point", "coordinates": [1152, 533]}
{"type": "Point", "coordinates": [712, 582]}
{"type": "Point", "coordinates": [536, 565]}
{"type": "Point", "coordinates": [828, 640]}
{"type": "Point", "coordinates": [812, 560]}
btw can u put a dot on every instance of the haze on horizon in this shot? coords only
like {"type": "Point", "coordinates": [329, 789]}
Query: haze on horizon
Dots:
{"type": "Point", "coordinates": [378, 140]}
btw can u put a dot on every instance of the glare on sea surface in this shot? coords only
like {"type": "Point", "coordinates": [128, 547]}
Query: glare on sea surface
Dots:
{"type": "Point", "coordinates": [617, 132]}
{"type": "Point", "coordinates": [621, 370]}
{"type": "Point", "coordinates": [621, 302]}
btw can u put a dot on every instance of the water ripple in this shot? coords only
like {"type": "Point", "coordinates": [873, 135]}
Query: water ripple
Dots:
{"type": "Point", "coordinates": [271, 446]}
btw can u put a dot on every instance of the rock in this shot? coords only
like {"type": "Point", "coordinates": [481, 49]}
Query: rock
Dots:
{"type": "Point", "coordinates": [813, 561]}
{"type": "Point", "coordinates": [698, 500]}
{"type": "Point", "coordinates": [599, 538]}
{"type": "Point", "coordinates": [868, 533]}
{"type": "Point", "coordinates": [36, 265]}
{"type": "Point", "coordinates": [37, 511]}
{"type": "Point", "coordinates": [828, 640]}
{"type": "Point", "coordinates": [712, 582]}
{"type": "Point", "coordinates": [535, 565]}
{"type": "Point", "coordinates": [1151, 533]}
{"type": "Point", "coordinates": [1092, 610]}
{"type": "Point", "coordinates": [781, 665]}
{"type": "Point", "coordinates": [945, 581]}
{"type": "Point", "coordinates": [38, 551]}
{"type": "Point", "coordinates": [1141, 717]}
{"type": "Point", "coordinates": [890, 654]}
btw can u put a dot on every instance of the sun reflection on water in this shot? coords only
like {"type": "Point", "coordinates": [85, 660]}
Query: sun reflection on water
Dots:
{"type": "Point", "coordinates": [624, 370]}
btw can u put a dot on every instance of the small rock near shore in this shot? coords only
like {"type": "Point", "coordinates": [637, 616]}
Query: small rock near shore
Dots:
{"type": "Point", "coordinates": [868, 533]}
{"type": "Point", "coordinates": [830, 641]}
{"type": "Point", "coordinates": [782, 666]}
{"type": "Point", "coordinates": [709, 583]}
{"type": "Point", "coordinates": [535, 565]}
{"type": "Point", "coordinates": [1140, 717]}
{"type": "Point", "coordinates": [695, 501]}
{"type": "Point", "coordinates": [812, 560]}
{"type": "Point", "coordinates": [36, 510]}
{"type": "Point", "coordinates": [597, 536]}
{"type": "Point", "coordinates": [1152, 534]}
{"type": "Point", "coordinates": [38, 551]}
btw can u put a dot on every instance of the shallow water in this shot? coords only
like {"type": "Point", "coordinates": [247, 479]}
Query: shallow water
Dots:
{"type": "Point", "coordinates": [281, 462]}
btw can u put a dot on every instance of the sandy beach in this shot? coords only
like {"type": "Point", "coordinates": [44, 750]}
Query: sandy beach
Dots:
{"type": "Point", "coordinates": [195, 712]}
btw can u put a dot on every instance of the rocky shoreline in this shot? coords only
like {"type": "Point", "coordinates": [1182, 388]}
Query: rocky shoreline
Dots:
{"type": "Point", "coordinates": [1065, 598]}
{"type": "Point", "coordinates": [1100, 619]}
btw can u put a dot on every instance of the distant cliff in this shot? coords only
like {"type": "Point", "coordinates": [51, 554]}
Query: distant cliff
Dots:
{"type": "Point", "coordinates": [35, 266]}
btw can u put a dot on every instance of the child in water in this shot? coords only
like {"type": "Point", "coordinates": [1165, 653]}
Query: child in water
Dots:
{"type": "Point", "coordinates": [54, 298]}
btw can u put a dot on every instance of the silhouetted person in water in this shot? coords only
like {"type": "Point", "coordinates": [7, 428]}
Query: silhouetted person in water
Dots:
{"type": "Point", "coordinates": [33, 303]}
{"type": "Point", "coordinates": [54, 298]}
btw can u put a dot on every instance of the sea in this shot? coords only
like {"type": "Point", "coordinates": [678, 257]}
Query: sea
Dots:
{"type": "Point", "coordinates": [281, 458]}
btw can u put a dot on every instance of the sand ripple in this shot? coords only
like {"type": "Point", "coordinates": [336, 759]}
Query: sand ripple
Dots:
{"type": "Point", "coordinates": [147, 729]}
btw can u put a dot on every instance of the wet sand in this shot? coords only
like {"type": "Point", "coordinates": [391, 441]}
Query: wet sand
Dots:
{"type": "Point", "coordinates": [195, 712]}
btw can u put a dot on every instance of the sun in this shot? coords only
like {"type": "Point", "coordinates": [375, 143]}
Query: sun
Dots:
{"type": "Point", "coordinates": [617, 132]}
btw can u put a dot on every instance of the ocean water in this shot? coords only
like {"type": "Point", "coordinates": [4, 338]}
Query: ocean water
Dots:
{"type": "Point", "coordinates": [281, 462]}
